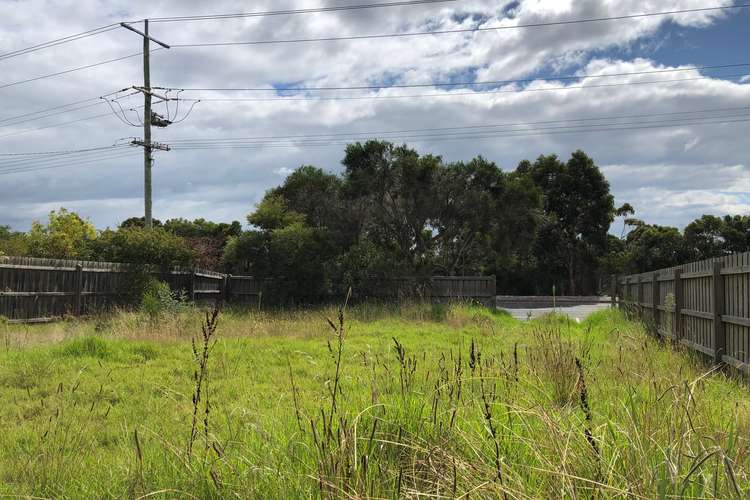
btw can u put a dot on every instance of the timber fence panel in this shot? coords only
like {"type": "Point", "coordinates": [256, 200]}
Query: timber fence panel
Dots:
{"type": "Point", "coordinates": [705, 305]}
{"type": "Point", "coordinates": [33, 289]}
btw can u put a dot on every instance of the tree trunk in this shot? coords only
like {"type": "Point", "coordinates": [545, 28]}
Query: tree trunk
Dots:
{"type": "Point", "coordinates": [571, 274]}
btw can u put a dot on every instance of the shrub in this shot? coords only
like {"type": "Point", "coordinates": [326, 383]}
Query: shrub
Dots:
{"type": "Point", "coordinates": [66, 236]}
{"type": "Point", "coordinates": [142, 246]}
{"type": "Point", "coordinates": [158, 299]}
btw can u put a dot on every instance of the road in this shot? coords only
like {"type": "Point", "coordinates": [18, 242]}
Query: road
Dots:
{"type": "Point", "coordinates": [578, 313]}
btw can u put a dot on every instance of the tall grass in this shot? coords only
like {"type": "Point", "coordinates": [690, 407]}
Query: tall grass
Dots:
{"type": "Point", "coordinates": [368, 404]}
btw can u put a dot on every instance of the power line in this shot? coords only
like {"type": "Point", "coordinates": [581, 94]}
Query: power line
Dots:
{"type": "Point", "coordinates": [71, 70]}
{"type": "Point", "coordinates": [58, 41]}
{"type": "Point", "coordinates": [454, 31]}
{"type": "Point", "coordinates": [60, 152]}
{"type": "Point", "coordinates": [333, 8]}
{"type": "Point", "coordinates": [64, 158]}
{"type": "Point", "coordinates": [738, 118]}
{"type": "Point", "coordinates": [455, 94]}
{"type": "Point", "coordinates": [473, 132]}
{"type": "Point", "coordinates": [60, 124]}
{"type": "Point", "coordinates": [120, 155]}
{"type": "Point", "coordinates": [26, 120]}
{"type": "Point", "coordinates": [61, 158]}
{"type": "Point", "coordinates": [61, 106]}
{"type": "Point", "coordinates": [456, 84]}
{"type": "Point", "coordinates": [377, 97]}
{"type": "Point", "coordinates": [114, 26]}
{"type": "Point", "coordinates": [495, 125]}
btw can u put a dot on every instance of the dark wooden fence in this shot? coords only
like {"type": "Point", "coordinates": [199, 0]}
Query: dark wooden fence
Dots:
{"type": "Point", "coordinates": [33, 289]}
{"type": "Point", "coordinates": [703, 305]}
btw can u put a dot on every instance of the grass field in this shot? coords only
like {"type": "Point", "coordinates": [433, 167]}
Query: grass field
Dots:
{"type": "Point", "coordinates": [432, 401]}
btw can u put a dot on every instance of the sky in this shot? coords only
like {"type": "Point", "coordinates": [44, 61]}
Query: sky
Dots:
{"type": "Point", "coordinates": [671, 143]}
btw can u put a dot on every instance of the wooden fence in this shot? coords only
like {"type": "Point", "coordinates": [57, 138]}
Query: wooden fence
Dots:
{"type": "Point", "coordinates": [33, 290]}
{"type": "Point", "coordinates": [703, 305]}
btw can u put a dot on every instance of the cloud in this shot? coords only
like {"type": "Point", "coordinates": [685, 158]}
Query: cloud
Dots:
{"type": "Point", "coordinates": [225, 184]}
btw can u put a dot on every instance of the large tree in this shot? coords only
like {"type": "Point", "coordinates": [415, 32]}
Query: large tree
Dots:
{"type": "Point", "coordinates": [711, 236]}
{"type": "Point", "coordinates": [481, 214]}
{"type": "Point", "coordinates": [392, 193]}
{"type": "Point", "coordinates": [578, 210]}
{"type": "Point", "coordinates": [650, 247]}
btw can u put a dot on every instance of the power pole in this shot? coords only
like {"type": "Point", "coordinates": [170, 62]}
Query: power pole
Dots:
{"type": "Point", "coordinates": [147, 94]}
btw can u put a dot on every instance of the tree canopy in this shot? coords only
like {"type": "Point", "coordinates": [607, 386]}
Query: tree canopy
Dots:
{"type": "Point", "coordinates": [393, 211]}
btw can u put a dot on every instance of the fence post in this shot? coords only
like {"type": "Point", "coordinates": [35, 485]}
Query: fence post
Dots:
{"type": "Point", "coordinates": [78, 289]}
{"type": "Point", "coordinates": [655, 300]}
{"type": "Point", "coordinates": [227, 287]}
{"type": "Point", "coordinates": [717, 305]}
{"type": "Point", "coordinates": [613, 290]}
{"type": "Point", "coordinates": [678, 305]}
{"type": "Point", "coordinates": [628, 291]}
{"type": "Point", "coordinates": [640, 296]}
{"type": "Point", "coordinates": [192, 285]}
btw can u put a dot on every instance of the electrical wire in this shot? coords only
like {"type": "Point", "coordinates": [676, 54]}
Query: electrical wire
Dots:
{"type": "Point", "coordinates": [455, 94]}
{"type": "Point", "coordinates": [333, 8]}
{"type": "Point", "coordinates": [85, 162]}
{"type": "Point", "coordinates": [375, 97]}
{"type": "Point", "coordinates": [606, 127]}
{"type": "Point", "coordinates": [58, 41]}
{"type": "Point", "coordinates": [71, 70]}
{"type": "Point", "coordinates": [60, 124]}
{"type": "Point", "coordinates": [487, 126]}
{"type": "Point", "coordinates": [60, 158]}
{"type": "Point", "coordinates": [457, 84]}
{"type": "Point", "coordinates": [453, 31]}
{"type": "Point", "coordinates": [114, 26]}
{"type": "Point", "coordinates": [65, 159]}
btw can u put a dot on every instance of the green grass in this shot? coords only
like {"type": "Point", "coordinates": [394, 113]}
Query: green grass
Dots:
{"type": "Point", "coordinates": [463, 403]}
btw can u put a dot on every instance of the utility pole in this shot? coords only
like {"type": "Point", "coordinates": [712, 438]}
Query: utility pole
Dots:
{"type": "Point", "coordinates": [148, 147]}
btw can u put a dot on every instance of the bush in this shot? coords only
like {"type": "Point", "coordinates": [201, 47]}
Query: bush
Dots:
{"type": "Point", "coordinates": [158, 299]}
{"type": "Point", "coordinates": [141, 246]}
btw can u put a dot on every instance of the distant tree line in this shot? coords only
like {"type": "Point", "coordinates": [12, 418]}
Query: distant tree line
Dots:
{"type": "Point", "coordinates": [395, 212]}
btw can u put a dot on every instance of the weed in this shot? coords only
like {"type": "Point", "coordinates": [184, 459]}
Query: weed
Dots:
{"type": "Point", "coordinates": [201, 353]}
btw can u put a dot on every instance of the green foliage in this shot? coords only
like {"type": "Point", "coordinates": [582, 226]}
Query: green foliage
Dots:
{"type": "Point", "coordinates": [272, 213]}
{"type": "Point", "coordinates": [140, 246]}
{"type": "Point", "coordinates": [654, 247]}
{"type": "Point", "coordinates": [13, 243]}
{"type": "Point", "coordinates": [711, 236]}
{"type": "Point", "coordinates": [65, 236]}
{"type": "Point", "coordinates": [578, 209]}
{"type": "Point", "coordinates": [158, 300]}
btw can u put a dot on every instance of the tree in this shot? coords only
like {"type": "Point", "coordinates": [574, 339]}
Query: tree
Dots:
{"type": "Point", "coordinates": [711, 236]}
{"type": "Point", "coordinates": [579, 210]}
{"type": "Point", "coordinates": [141, 246]}
{"type": "Point", "coordinates": [284, 248]}
{"type": "Point", "coordinates": [392, 192]}
{"type": "Point", "coordinates": [481, 214]}
{"type": "Point", "coordinates": [65, 236]}
{"type": "Point", "coordinates": [138, 222]}
{"type": "Point", "coordinates": [206, 238]}
{"type": "Point", "coordinates": [13, 243]}
{"type": "Point", "coordinates": [651, 247]}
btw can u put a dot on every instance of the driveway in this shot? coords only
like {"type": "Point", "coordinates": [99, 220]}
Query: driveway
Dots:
{"type": "Point", "coordinates": [579, 312]}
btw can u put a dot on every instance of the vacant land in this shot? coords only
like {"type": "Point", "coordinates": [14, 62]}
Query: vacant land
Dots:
{"type": "Point", "coordinates": [378, 402]}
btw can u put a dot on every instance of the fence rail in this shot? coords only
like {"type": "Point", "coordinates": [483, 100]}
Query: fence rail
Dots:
{"type": "Point", "coordinates": [703, 305]}
{"type": "Point", "coordinates": [34, 290]}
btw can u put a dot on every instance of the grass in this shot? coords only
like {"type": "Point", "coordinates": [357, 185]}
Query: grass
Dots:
{"type": "Point", "coordinates": [380, 401]}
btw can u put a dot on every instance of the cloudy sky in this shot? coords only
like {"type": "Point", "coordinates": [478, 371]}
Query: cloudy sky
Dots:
{"type": "Point", "coordinates": [672, 143]}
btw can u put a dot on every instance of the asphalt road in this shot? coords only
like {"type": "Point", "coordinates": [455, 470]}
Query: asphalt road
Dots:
{"type": "Point", "coordinates": [576, 312]}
